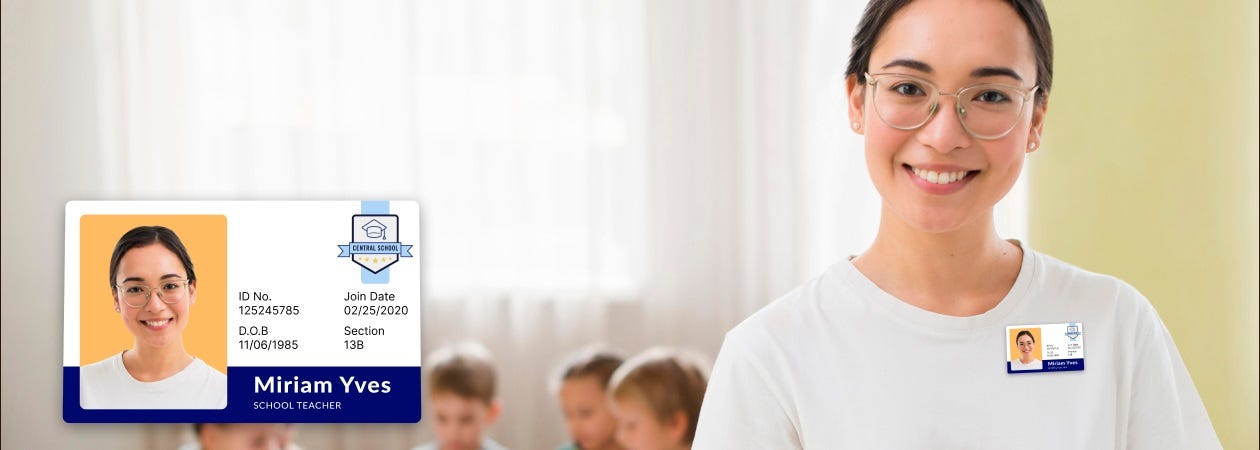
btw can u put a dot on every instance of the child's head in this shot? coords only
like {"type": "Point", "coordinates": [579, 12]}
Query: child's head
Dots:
{"type": "Point", "coordinates": [244, 436]}
{"type": "Point", "coordinates": [656, 397]}
{"type": "Point", "coordinates": [461, 395]}
{"type": "Point", "coordinates": [581, 387]}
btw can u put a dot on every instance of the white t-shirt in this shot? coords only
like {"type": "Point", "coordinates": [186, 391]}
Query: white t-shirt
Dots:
{"type": "Point", "coordinates": [840, 364]}
{"type": "Point", "coordinates": [1019, 365]}
{"type": "Point", "coordinates": [107, 385]}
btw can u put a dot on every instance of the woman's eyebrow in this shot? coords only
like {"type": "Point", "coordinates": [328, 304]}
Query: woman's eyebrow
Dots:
{"type": "Point", "coordinates": [996, 72]}
{"type": "Point", "coordinates": [169, 275]}
{"type": "Point", "coordinates": [910, 64]}
{"type": "Point", "coordinates": [989, 71]}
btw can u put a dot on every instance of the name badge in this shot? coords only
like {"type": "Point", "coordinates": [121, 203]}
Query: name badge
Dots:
{"type": "Point", "coordinates": [1056, 347]}
{"type": "Point", "coordinates": [304, 311]}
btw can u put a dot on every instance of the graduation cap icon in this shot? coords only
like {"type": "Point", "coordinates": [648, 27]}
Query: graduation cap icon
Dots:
{"type": "Point", "coordinates": [374, 229]}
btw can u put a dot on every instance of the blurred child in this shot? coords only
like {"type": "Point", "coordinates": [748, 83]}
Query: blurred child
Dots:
{"type": "Point", "coordinates": [462, 403]}
{"type": "Point", "coordinates": [656, 399]}
{"type": "Point", "coordinates": [581, 387]}
{"type": "Point", "coordinates": [243, 436]}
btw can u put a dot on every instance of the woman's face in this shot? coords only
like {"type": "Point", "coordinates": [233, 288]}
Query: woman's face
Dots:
{"type": "Point", "coordinates": [953, 44]}
{"type": "Point", "coordinates": [1025, 347]}
{"type": "Point", "coordinates": [156, 324]}
{"type": "Point", "coordinates": [587, 413]}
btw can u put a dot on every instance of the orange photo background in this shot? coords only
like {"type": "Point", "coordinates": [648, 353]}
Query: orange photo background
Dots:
{"type": "Point", "coordinates": [101, 331]}
{"type": "Point", "coordinates": [1013, 347]}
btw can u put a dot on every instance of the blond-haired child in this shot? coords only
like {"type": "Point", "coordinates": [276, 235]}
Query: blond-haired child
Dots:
{"type": "Point", "coordinates": [656, 399]}
{"type": "Point", "coordinates": [462, 402]}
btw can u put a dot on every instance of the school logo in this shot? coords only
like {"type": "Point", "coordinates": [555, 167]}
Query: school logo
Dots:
{"type": "Point", "coordinates": [1073, 331]}
{"type": "Point", "coordinates": [374, 242]}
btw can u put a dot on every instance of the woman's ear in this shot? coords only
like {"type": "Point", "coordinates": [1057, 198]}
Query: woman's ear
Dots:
{"type": "Point", "coordinates": [857, 103]}
{"type": "Point", "coordinates": [1038, 122]}
{"type": "Point", "coordinates": [117, 306]}
{"type": "Point", "coordinates": [192, 292]}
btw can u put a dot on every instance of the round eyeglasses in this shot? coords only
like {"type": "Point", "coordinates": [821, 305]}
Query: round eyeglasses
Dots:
{"type": "Point", "coordinates": [987, 111]}
{"type": "Point", "coordinates": [136, 295]}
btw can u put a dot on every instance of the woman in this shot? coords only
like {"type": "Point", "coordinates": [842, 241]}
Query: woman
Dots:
{"type": "Point", "coordinates": [154, 287]}
{"type": "Point", "coordinates": [903, 345]}
{"type": "Point", "coordinates": [1026, 344]}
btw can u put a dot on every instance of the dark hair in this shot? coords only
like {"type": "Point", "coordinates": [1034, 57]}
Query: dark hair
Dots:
{"type": "Point", "coordinates": [878, 12]}
{"type": "Point", "coordinates": [465, 370]}
{"type": "Point", "coordinates": [144, 236]}
{"type": "Point", "coordinates": [669, 381]}
{"type": "Point", "coordinates": [595, 362]}
{"type": "Point", "coordinates": [1025, 333]}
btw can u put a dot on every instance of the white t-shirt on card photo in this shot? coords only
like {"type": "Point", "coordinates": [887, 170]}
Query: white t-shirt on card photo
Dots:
{"type": "Point", "coordinates": [1019, 365]}
{"type": "Point", "coordinates": [106, 384]}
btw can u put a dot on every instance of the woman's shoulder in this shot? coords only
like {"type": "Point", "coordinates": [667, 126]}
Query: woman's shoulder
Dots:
{"type": "Point", "coordinates": [795, 317]}
{"type": "Point", "coordinates": [201, 369]}
{"type": "Point", "coordinates": [1059, 272]}
{"type": "Point", "coordinates": [1063, 281]}
{"type": "Point", "coordinates": [111, 363]}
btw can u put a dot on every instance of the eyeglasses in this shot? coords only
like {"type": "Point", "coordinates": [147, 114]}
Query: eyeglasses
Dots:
{"type": "Point", "coordinates": [987, 111]}
{"type": "Point", "coordinates": [137, 295]}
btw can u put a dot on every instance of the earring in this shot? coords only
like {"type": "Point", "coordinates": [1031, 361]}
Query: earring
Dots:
{"type": "Point", "coordinates": [856, 125]}
{"type": "Point", "coordinates": [1032, 145]}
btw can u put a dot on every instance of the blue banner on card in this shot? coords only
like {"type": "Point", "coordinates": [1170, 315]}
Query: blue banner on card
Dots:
{"type": "Point", "coordinates": [282, 394]}
{"type": "Point", "coordinates": [1051, 365]}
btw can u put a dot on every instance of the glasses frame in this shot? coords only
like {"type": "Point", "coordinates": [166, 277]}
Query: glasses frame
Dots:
{"type": "Point", "coordinates": [937, 93]}
{"type": "Point", "coordinates": [150, 291]}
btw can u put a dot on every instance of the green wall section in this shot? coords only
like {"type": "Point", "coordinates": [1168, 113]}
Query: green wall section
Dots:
{"type": "Point", "coordinates": [1148, 173]}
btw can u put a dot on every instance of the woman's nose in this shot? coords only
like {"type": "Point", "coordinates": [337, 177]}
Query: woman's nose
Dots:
{"type": "Point", "coordinates": [944, 132]}
{"type": "Point", "coordinates": [155, 303]}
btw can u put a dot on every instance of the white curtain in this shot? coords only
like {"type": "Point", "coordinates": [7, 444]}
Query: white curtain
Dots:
{"type": "Point", "coordinates": [633, 172]}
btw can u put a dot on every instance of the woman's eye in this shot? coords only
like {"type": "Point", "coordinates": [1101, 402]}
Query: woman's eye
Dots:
{"type": "Point", "coordinates": [992, 97]}
{"type": "Point", "coordinates": [170, 286]}
{"type": "Point", "coordinates": [134, 290]}
{"type": "Point", "coordinates": [908, 89]}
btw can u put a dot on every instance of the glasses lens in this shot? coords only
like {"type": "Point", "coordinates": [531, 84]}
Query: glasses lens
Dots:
{"type": "Point", "coordinates": [134, 295]}
{"type": "Point", "coordinates": [903, 102]}
{"type": "Point", "coordinates": [990, 111]}
{"type": "Point", "coordinates": [172, 291]}
{"type": "Point", "coordinates": [137, 295]}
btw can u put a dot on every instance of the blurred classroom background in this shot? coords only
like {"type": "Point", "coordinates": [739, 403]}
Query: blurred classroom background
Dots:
{"type": "Point", "coordinates": [638, 173]}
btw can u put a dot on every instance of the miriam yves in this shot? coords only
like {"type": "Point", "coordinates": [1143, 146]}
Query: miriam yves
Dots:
{"type": "Point", "coordinates": [279, 385]}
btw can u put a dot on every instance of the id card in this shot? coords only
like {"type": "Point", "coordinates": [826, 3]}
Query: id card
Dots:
{"type": "Point", "coordinates": [1045, 348]}
{"type": "Point", "coordinates": [242, 311]}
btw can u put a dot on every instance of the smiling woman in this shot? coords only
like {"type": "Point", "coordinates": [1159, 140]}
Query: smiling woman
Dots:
{"type": "Point", "coordinates": [154, 288]}
{"type": "Point", "coordinates": [894, 348]}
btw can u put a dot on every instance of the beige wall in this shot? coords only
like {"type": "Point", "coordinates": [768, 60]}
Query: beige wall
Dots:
{"type": "Point", "coordinates": [1149, 173]}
